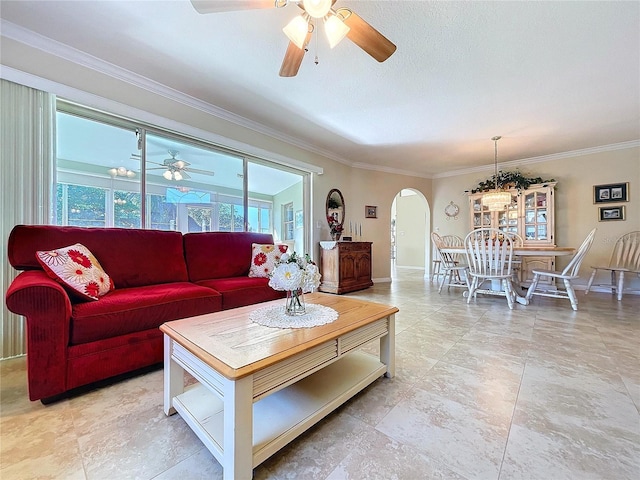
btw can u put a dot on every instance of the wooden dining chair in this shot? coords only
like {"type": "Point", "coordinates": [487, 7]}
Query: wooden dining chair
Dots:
{"type": "Point", "coordinates": [449, 262]}
{"type": "Point", "coordinates": [570, 272]}
{"type": "Point", "coordinates": [625, 259]}
{"type": "Point", "coordinates": [489, 258]}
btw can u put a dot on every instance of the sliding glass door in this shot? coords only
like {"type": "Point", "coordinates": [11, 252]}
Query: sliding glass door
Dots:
{"type": "Point", "coordinates": [113, 172]}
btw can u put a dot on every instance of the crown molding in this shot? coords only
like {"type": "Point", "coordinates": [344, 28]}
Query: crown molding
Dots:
{"type": "Point", "coordinates": [73, 55]}
{"type": "Point", "coordinates": [543, 158]}
{"type": "Point", "coordinates": [78, 57]}
{"type": "Point", "coordinates": [396, 171]}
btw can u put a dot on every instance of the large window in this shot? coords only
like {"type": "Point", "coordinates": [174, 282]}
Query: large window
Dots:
{"type": "Point", "coordinates": [117, 172]}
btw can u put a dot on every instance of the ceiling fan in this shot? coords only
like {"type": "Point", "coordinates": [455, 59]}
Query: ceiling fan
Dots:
{"type": "Point", "coordinates": [338, 24]}
{"type": "Point", "coordinates": [176, 169]}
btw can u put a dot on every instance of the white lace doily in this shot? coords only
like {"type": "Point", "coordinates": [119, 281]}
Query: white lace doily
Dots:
{"type": "Point", "coordinates": [274, 316]}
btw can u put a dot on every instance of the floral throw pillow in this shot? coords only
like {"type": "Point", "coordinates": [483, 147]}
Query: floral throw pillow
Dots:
{"type": "Point", "coordinates": [264, 259]}
{"type": "Point", "coordinates": [76, 268]}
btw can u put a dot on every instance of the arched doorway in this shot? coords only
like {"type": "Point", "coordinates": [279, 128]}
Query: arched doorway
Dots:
{"type": "Point", "coordinates": [410, 226]}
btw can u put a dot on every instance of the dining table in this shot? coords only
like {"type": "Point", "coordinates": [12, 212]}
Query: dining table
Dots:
{"type": "Point", "coordinates": [522, 251]}
{"type": "Point", "coordinates": [528, 251]}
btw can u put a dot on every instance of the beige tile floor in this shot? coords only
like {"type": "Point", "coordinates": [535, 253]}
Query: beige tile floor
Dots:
{"type": "Point", "coordinates": [481, 392]}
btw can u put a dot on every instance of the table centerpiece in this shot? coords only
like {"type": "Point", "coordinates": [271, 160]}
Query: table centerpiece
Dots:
{"type": "Point", "coordinates": [297, 275]}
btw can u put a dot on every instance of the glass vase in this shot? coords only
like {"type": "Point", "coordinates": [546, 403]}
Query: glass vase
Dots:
{"type": "Point", "coordinates": [295, 303]}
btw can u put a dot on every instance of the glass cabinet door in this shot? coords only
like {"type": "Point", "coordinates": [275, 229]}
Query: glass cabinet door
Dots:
{"type": "Point", "coordinates": [508, 219]}
{"type": "Point", "coordinates": [480, 215]}
{"type": "Point", "coordinates": [536, 225]}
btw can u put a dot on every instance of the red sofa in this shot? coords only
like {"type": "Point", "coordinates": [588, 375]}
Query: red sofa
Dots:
{"type": "Point", "coordinates": [159, 276]}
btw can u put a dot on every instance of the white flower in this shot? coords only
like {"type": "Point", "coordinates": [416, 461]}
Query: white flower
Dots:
{"type": "Point", "coordinates": [311, 278]}
{"type": "Point", "coordinates": [294, 272]}
{"type": "Point", "coordinates": [286, 276]}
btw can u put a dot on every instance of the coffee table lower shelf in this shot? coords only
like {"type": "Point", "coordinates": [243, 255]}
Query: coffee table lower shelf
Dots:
{"type": "Point", "coordinates": [282, 416]}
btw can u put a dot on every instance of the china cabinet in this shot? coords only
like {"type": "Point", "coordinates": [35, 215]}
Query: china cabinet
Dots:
{"type": "Point", "coordinates": [345, 266]}
{"type": "Point", "coordinates": [530, 215]}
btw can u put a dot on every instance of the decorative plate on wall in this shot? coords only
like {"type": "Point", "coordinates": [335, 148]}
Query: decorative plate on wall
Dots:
{"type": "Point", "coordinates": [451, 211]}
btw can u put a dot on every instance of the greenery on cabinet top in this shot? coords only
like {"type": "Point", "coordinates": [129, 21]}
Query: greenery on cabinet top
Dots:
{"type": "Point", "coordinates": [509, 180]}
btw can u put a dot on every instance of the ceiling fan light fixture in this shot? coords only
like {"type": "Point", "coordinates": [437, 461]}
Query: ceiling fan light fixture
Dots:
{"type": "Point", "coordinates": [317, 8]}
{"type": "Point", "coordinates": [177, 176]}
{"type": "Point", "coordinates": [167, 174]}
{"type": "Point", "coordinates": [335, 29]}
{"type": "Point", "coordinates": [297, 30]}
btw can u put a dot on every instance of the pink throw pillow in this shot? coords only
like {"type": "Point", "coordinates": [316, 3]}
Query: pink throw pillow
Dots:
{"type": "Point", "coordinates": [76, 268]}
{"type": "Point", "coordinates": [264, 259]}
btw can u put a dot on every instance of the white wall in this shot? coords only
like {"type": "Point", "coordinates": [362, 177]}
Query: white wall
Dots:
{"type": "Point", "coordinates": [411, 230]}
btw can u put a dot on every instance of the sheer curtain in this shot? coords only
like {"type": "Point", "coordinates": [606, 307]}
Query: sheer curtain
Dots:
{"type": "Point", "coordinates": [27, 176]}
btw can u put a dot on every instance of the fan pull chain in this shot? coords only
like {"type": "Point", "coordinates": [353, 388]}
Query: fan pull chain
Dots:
{"type": "Point", "coordinates": [316, 35]}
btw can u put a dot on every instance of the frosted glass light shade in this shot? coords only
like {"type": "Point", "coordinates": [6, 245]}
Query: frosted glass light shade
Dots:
{"type": "Point", "coordinates": [496, 200]}
{"type": "Point", "coordinates": [317, 8]}
{"type": "Point", "coordinates": [297, 30]}
{"type": "Point", "coordinates": [335, 29]}
{"type": "Point", "coordinates": [167, 174]}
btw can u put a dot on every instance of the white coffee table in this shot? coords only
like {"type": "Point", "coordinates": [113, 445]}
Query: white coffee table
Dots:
{"type": "Point", "coordinates": [259, 387]}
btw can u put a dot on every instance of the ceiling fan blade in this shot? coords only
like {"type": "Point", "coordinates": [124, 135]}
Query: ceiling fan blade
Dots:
{"type": "Point", "coordinates": [185, 175]}
{"type": "Point", "coordinates": [292, 60]}
{"type": "Point", "coordinates": [216, 6]}
{"type": "Point", "coordinates": [365, 36]}
{"type": "Point", "coordinates": [293, 57]}
{"type": "Point", "coordinates": [201, 172]}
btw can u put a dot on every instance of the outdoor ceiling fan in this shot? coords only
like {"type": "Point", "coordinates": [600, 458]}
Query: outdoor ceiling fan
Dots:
{"type": "Point", "coordinates": [337, 23]}
{"type": "Point", "coordinates": [175, 169]}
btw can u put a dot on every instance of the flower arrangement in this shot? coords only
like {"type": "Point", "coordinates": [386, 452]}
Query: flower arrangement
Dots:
{"type": "Point", "coordinates": [509, 180]}
{"type": "Point", "coordinates": [296, 274]}
{"type": "Point", "coordinates": [335, 227]}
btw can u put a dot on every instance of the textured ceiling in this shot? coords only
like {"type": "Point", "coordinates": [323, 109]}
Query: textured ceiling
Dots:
{"type": "Point", "coordinates": [550, 77]}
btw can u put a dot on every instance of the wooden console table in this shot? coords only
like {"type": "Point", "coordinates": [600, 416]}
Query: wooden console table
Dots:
{"type": "Point", "coordinates": [345, 266]}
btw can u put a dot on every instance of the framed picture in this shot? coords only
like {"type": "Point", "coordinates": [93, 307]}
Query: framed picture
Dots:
{"type": "Point", "coordinates": [613, 192]}
{"type": "Point", "coordinates": [370, 211]}
{"type": "Point", "coordinates": [611, 213]}
{"type": "Point", "coordinates": [299, 219]}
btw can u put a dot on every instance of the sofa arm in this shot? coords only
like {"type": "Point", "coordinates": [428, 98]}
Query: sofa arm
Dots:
{"type": "Point", "coordinates": [47, 309]}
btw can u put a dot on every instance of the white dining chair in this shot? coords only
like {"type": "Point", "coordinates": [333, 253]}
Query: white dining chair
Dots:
{"type": "Point", "coordinates": [516, 263]}
{"type": "Point", "coordinates": [570, 272]}
{"type": "Point", "coordinates": [449, 262]}
{"type": "Point", "coordinates": [625, 259]}
{"type": "Point", "coordinates": [489, 259]}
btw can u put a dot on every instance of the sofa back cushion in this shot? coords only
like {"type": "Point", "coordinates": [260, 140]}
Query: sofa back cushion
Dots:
{"type": "Point", "coordinates": [131, 257]}
{"type": "Point", "coordinates": [220, 254]}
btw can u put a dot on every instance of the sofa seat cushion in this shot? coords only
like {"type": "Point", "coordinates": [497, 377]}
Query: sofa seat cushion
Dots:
{"type": "Point", "coordinates": [242, 291]}
{"type": "Point", "coordinates": [136, 309]}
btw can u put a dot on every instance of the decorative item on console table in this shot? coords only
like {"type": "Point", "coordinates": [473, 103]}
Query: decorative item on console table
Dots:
{"type": "Point", "coordinates": [335, 228]}
{"type": "Point", "coordinates": [295, 274]}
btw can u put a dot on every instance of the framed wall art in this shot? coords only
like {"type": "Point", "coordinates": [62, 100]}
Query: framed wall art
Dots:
{"type": "Point", "coordinates": [370, 211]}
{"type": "Point", "coordinates": [606, 214]}
{"type": "Point", "coordinates": [613, 192]}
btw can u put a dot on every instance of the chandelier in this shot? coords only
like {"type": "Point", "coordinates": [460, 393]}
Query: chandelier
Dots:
{"type": "Point", "coordinates": [497, 199]}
